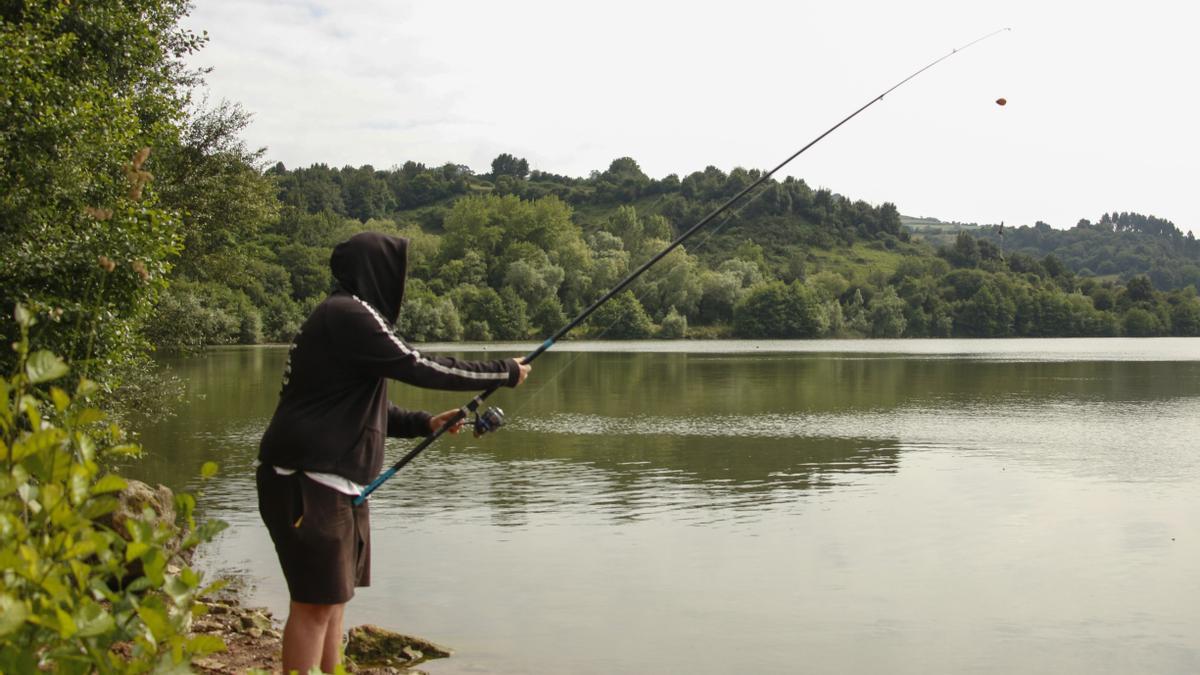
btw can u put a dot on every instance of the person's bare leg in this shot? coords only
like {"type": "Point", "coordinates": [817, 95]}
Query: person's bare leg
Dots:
{"type": "Point", "coordinates": [304, 635]}
{"type": "Point", "coordinates": [331, 656]}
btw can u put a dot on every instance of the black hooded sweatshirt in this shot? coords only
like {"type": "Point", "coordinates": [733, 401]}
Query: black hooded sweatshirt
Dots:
{"type": "Point", "coordinates": [333, 411]}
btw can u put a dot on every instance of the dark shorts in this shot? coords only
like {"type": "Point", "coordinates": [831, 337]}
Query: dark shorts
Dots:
{"type": "Point", "coordinates": [323, 541]}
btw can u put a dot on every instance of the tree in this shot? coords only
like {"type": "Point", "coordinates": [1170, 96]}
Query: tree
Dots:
{"type": "Point", "coordinates": [856, 319]}
{"type": "Point", "coordinates": [778, 310]}
{"type": "Point", "coordinates": [211, 177]}
{"type": "Point", "coordinates": [829, 285]}
{"type": "Point", "coordinates": [965, 252]}
{"type": "Point", "coordinates": [987, 313]}
{"type": "Point", "coordinates": [721, 291]}
{"type": "Point", "coordinates": [624, 223]}
{"type": "Point", "coordinates": [366, 193]}
{"type": "Point", "coordinates": [87, 86]}
{"type": "Point", "coordinates": [547, 316]}
{"type": "Point", "coordinates": [1138, 322]}
{"type": "Point", "coordinates": [473, 225]}
{"type": "Point", "coordinates": [672, 282]}
{"type": "Point", "coordinates": [887, 315]}
{"type": "Point", "coordinates": [503, 314]}
{"type": "Point", "coordinates": [312, 190]}
{"type": "Point", "coordinates": [1139, 289]}
{"type": "Point", "coordinates": [623, 181]}
{"type": "Point", "coordinates": [508, 165]}
{"type": "Point", "coordinates": [674, 325]}
{"type": "Point", "coordinates": [425, 317]}
{"type": "Point", "coordinates": [621, 318]}
{"type": "Point", "coordinates": [1185, 317]}
{"type": "Point", "coordinates": [534, 280]}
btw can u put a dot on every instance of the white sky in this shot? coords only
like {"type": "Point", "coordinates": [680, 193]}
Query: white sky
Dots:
{"type": "Point", "coordinates": [1101, 115]}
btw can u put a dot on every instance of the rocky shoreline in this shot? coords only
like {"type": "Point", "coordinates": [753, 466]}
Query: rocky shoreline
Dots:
{"type": "Point", "coordinates": [252, 636]}
{"type": "Point", "coordinates": [252, 640]}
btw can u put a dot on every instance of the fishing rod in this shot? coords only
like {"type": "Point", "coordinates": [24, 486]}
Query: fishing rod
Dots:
{"type": "Point", "coordinates": [492, 418]}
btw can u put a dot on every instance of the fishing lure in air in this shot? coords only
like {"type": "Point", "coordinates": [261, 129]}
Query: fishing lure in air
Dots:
{"type": "Point", "coordinates": [491, 419]}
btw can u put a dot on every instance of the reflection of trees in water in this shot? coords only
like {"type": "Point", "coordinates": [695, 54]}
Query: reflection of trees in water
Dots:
{"type": "Point", "coordinates": [674, 384]}
{"type": "Point", "coordinates": [232, 392]}
{"type": "Point", "coordinates": [229, 395]}
{"type": "Point", "coordinates": [638, 476]}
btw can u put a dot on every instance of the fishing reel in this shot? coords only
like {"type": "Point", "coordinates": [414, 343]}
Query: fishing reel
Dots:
{"type": "Point", "coordinates": [490, 420]}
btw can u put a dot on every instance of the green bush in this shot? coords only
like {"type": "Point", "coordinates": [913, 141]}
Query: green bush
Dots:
{"type": "Point", "coordinates": [193, 315]}
{"type": "Point", "coordinates": [77, 596]}
{"type": "Point", "coordinates": [548, 316]}
{"type": "Point", "coordinates": [778, 310]}
{"type": "Point", "coordinates": [674, 325]}
{"type": "Point", "coordinates": [427, 318]}
{"type": "Point", "coordinates": [622, 318]}
{"type": "Point", "coordinates": [1138, 322]}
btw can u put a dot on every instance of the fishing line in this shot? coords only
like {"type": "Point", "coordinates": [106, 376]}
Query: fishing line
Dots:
{"type": "Point", "coordinates": [473, 405]}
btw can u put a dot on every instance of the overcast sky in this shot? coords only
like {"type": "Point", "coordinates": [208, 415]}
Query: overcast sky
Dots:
{"type": "Point", "coordinates": [1101, 115]}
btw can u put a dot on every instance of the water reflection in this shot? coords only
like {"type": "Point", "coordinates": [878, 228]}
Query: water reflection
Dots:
{"type": "Point", "coordinates": [779, 506]}
{"type": "Point", "coordinates": [734, 423]}
{"type": "Point", "coordinates": [697, 481]}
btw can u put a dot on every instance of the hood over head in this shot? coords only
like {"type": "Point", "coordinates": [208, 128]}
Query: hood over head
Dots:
{"type": "Point", "coordinates": [373, 266]}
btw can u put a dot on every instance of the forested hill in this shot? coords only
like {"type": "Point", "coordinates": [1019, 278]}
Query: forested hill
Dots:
{"type": "Point", "coordinates": [1121, 245]}
{"type": "Point", "coordinates": [786, 214]}
{"type": "Point", "coordinates": [513, 253]}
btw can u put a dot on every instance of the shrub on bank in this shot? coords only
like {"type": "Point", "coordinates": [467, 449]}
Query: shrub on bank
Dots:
{"type": "Point", "coordinates": [76, 594]}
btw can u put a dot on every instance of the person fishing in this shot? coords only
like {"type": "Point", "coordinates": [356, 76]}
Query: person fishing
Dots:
{"type": "Point", "coordinates": [325, 439]}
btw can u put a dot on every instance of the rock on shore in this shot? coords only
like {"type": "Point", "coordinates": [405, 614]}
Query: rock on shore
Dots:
{"type": "Point", "coordinates": [252, 638]}
{"type": "Point", "coordinates": [377, 650]}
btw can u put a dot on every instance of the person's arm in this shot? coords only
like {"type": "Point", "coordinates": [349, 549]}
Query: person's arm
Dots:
{"type": "Point", "coordinates": [415, 423]}
{"type": "Point", "coordinates": [365, 341]}
{"type": "Point", "coordinates": [403, 423]}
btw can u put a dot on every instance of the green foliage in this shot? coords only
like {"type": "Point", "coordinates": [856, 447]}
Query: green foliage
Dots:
{"type": "Point", "coordinates": [209, 175]}
{"type": "Point", "coordinates": [622, 318]}
{"type": "Point", "coordinates": [426, 317]}
{"type": "Point", "coordinates": [508, 165]}
{"type": "Point", "coordinates": [720, 292]}
{"type": "Point", "coordinates": [518, 254]}
{"type": "Point", "coordinates": [193, 316]}
{"type": "Point", "coordinates": [1138, 322]}
{"type": "Point", "coordinates": [1118, 244]}
{"type": "Point", "coordinates": [988, 312]}
{"type": "Point", "coordinates": [72, 587]}
{"type": "Point", "coordinates": [887, 315]}
{"type": "Point", "coordinates": [489, 315]}
{"type": "Point", "coordinates": [674, 326]}
{"type": "Point", "coordinates": [855, 319]}
{"type": "Point", "coordinates": [674, 281]}
{"type": "Point", "coordinates": [86, 85]}
{"type": "Point", "coordinates": [1185, 316]}
{"type": "Point", "coordinates": [777, 310]}
{"type": "Point", "coordinates": [547, 316]}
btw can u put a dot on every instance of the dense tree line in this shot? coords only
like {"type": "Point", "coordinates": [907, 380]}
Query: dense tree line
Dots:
{"type": "Point", "coordinates": [514, 253]}
{"type": "Point", "coordinates": [414, 191]}
{"type": "Point", "coordinates": [503, 255]}
{"type": "Point", "coordinates": [1118, 245]}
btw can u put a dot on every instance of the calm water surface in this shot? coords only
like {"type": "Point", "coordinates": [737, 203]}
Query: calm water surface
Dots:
{"type": "Point", "coordinates": [941, 506]}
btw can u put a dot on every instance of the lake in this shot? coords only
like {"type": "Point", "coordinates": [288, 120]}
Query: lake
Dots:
{"type": "Point", "coordinates": [907, 506]}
